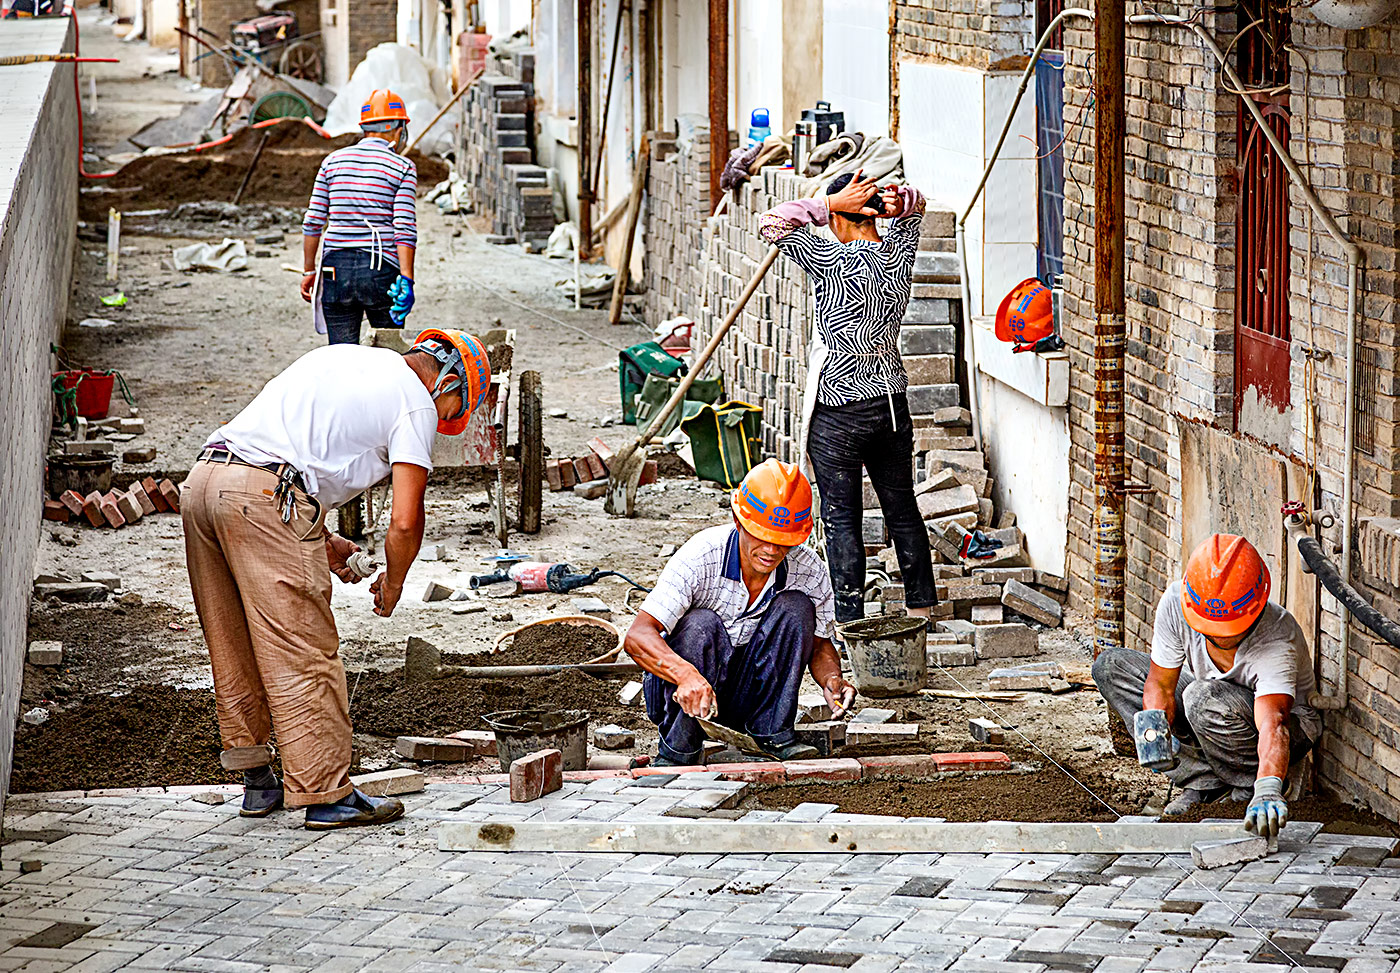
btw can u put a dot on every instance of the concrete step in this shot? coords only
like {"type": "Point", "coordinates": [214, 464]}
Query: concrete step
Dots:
{"type": "Point", "coordinates": [930, 310]}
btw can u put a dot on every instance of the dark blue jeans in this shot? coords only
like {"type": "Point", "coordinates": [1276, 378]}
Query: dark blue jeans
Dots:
{"type": "Point", "coordinates": [351, 290]}
{"type": "Point", "coordinates": [756, 684]}
{"type": "Point", "coordinates": [842, 440]}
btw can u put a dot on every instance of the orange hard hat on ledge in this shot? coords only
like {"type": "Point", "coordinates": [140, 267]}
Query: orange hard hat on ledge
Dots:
{"type": "Point", "coordinates": [1027, 314]}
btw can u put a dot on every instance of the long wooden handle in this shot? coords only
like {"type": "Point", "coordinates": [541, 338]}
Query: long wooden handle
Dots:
{"type": "Point", "coordinates": [452, 101]}
{"type": "Point", "coordinates": [679, 394]}
{"type": "Point", "coordinates": [634, 208]}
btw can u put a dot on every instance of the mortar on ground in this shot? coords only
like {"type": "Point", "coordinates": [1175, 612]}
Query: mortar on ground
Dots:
{"type": "Point", "coordinates": [887, 654]}
{"type": "Point", "coordinates": [523, 731]}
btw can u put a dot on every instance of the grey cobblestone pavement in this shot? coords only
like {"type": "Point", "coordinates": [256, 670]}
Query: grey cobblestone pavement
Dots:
{"type": "Point", "coordinates": [156, 880]}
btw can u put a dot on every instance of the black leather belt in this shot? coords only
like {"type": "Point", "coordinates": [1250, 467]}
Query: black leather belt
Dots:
{"type": "Point", "coordinates": [288, 476]}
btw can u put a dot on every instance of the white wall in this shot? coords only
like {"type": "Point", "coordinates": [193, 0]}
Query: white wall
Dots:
{"type": "Point", "coordinates": [758, 63]}
{"type": "Point", "coordinates": [950, 118]}
{"type": "Point", "coordinates": [856, 64]}
{"type": "Point", "coordinates": [38, 210]}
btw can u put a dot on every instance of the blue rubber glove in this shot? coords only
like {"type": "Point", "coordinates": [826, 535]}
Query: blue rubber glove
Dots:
{"type": "Point", "coordinates": [401, 292]}
{"type": "Point", "coordinates": [1267, 812]}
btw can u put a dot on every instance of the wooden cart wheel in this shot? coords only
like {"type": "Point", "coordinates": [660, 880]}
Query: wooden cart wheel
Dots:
{"type": "Point", "coordinates": [302, 60]}
{"type": "Point", "coordinates": [531, 450]}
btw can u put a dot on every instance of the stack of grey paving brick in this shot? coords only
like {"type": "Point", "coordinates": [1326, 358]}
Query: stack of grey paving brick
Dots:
{"type": "Point", "coordinates": [497, 158]}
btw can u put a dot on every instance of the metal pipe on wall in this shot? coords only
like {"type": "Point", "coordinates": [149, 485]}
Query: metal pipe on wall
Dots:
{"type": "Point", "coordinates": [719, 96]}
{"type": "Point", "coordinates": [583, 117]}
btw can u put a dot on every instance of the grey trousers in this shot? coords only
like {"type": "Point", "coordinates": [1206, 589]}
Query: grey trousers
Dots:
{"type": "Point", "coordinates": [1214, 722]}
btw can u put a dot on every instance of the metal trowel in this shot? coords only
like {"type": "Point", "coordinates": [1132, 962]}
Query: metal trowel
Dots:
{"type": "Point", "coordinates": [729, 735]}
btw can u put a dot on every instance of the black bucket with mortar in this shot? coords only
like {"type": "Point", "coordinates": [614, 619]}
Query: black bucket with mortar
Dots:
{"type": "Point", "coordinates": [523, 731]}
{"type": "Point", "coordinates": [887, 653]}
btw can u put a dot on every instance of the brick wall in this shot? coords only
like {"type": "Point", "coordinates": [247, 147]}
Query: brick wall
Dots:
{"type": "Point", "coordinates": [38, 210]}
{"type": "Point", "coordinates": [1179, 202]}
{"type": "Point", "coordinates": [987, 34]}
{"type": "Point", "coordinates": [1180, 198]}
{"type": "Point", "coordinates": [369, 23]}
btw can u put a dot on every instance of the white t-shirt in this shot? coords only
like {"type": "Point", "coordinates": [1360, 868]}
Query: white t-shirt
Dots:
{"type": "Point", "coordinates": [342, 415]}
{"type": "Point", "coordinates": [1273, 659]}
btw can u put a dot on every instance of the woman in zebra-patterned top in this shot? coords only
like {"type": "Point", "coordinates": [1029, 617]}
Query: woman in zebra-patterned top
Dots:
{"type": "Point", "coordinates": [855, 411]}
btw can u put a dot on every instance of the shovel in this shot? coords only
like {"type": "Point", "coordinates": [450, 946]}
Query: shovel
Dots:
{"type": "Point", "coordinates": [626, 470]}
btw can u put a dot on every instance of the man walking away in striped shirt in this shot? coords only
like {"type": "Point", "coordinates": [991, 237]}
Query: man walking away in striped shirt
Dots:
{"type": "Point", "coordinates": [739, 613]}
{"type": "Point", "coordinates": [361, 228]}
{"type": "Point", "coordinates": [855, 410]}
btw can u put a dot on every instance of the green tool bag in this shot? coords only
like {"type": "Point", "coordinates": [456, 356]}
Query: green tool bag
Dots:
{"type": "Point", "coordinates": [725, 440]}
{"type": "Point", "coordinates": [658, 391]}
{"type": "Point", "coordinates": [634, 365]}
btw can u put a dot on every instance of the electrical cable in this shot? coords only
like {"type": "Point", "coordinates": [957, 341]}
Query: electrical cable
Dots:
{"type": "Point", "coordinates": [619, 574]}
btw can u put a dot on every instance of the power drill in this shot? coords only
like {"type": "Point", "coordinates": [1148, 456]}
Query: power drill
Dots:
{"type": "Point", "coordinates": [536, 576]}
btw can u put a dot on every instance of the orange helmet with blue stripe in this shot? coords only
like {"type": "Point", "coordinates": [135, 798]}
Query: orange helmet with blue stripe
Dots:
{"type": "Point", "coordinates": [1027, 314]}
{"type": "Point", "coordinates": [774, 503]}
{"type": "Point", "coordinates": [465, 368]}
{"type": "Point", "coordinates": [1226, 586]}
{"type": "Point", "coordinates": [383, 106]}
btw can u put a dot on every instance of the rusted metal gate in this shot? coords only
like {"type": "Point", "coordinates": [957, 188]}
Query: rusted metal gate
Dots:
{"type": "Point", "coordinates": [1262, 330]}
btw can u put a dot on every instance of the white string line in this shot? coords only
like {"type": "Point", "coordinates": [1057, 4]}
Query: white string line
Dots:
{"type": "Point", "coordinates": [607, 956]}
{"type": "Point", "coordinates": [1184, 870]}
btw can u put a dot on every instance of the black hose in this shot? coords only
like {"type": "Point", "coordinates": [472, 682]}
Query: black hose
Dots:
{"type": "Point", "coordinates": [1355, 602]}
{"type": "Point", "coordinates": [619, 574]}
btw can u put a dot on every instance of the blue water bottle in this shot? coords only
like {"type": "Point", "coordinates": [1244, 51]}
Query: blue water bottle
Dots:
{"type": "Point", "coordinates": [758, 126]}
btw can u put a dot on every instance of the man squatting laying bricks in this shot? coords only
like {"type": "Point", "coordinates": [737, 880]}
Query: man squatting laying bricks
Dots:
{"type": "Point", "coordinates": [855, 410]}
{"type": "Point", "coordinates": [736, 617]}
{"type": "Point", "coordinates": [1231, 672]}
{"type": "Point", "coordinates": [336, 422]}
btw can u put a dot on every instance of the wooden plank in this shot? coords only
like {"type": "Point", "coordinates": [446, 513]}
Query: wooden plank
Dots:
{"type": "Point", "coordinates": [897, 837]}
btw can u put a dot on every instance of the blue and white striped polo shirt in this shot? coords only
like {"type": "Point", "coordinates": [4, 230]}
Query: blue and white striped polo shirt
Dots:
{"type": "Point", "coordinates": [705, 573]}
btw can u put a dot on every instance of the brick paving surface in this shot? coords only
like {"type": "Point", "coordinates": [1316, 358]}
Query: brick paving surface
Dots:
{"type": "Point", "coordinates": [157, 880]}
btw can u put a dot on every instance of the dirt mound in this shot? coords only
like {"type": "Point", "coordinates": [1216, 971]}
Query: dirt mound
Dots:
{"type": "Point", "coordinates": [283, 177]}
{"type": "Point", "coordinates": [1043, 795]}
{"type": "Point", "coordinates": [382, 705]}
{"type": "Point", "coordinates": [543, 645]}
{"type": "Point", "coordinates": [156, 735]}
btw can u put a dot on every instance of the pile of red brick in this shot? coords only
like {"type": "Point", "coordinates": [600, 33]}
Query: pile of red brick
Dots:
{"type": "Point", "coordinates": [565, 474]}
{"type": "Point", "coordinates": [114, 508]}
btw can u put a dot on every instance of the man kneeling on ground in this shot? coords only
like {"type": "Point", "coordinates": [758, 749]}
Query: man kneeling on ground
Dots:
{"type": "Point", "coordinates": [737, 616]}
{"type": "Point", "coordinates": [1239, 711]}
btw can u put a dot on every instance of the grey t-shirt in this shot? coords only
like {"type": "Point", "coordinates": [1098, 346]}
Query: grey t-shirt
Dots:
{"type": "Point", "coordinates": [1273, 659]}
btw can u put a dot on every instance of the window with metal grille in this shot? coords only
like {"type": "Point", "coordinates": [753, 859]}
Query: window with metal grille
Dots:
{"type": "Point", "coordinates": [1050, 137]}
{"type": "Point", "coordinates": [1262, 330]}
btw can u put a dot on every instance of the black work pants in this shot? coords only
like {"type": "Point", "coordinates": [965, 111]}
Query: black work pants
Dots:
{"type": "Point", "coordinates": [842, 440]}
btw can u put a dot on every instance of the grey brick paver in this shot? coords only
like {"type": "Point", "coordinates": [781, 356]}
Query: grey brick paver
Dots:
{"type": "Point", "coordinates": [171, 884]}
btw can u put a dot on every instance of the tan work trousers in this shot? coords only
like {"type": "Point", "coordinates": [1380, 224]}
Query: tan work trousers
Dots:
{"type": "Point", "coordinates": [263, 592]}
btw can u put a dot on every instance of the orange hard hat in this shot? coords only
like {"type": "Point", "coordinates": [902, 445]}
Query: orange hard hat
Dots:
{"type": "Point", "coordinates": [774, 503]}
{"type": "Point", "coordinates": [1226, 586]}
{"type": "Point", "coordinates": [383, 106]}
{"type": "Point", "coordinates": [1027, 314]}
{"type": "Point", "coordinates": [465, 369]}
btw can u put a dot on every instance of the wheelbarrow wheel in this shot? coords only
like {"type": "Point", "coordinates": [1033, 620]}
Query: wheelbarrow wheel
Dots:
{"type": "Point", "coordinates": [352, 519]}
{"type": "Point", "coordinates": [531, 451]}
{"type": "Point", "coordinates": [302, 60]}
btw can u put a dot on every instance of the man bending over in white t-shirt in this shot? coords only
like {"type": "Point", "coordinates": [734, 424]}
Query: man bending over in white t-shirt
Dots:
{"type": "Point", "coordinates": [1240, 707]}
{"type": "Point", "coordinates": [260, 558]}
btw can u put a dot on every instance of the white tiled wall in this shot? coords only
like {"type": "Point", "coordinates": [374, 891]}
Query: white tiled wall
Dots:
{"type": "Point", "coordinates": [856, 63]}
{"type": "Point", "coordinates": [950, 118]}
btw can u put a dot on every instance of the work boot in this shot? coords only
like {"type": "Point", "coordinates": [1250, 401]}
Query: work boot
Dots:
{"type": "Point", "coordinates": [355, 808]}
{"type": "Point", "coordinates": [792, 751]}
{"type": "Point", "coordinates": [1189, 797]}
{"type": "Point", "coordinates": [262, 793]}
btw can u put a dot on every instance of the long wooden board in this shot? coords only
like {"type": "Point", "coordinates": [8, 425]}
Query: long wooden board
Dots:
{"type": "Point", "coordinates": [767, 837]}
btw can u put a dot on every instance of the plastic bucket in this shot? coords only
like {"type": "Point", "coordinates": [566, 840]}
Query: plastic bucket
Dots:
{"type": "Point", "coordinates": [523, 731]}
{"type": "Point", "coordinates": [81, 474]}
{"type": "Point", "coordinates": [887, 654]}
{"type": "Point", "coordinates": [94, 390]}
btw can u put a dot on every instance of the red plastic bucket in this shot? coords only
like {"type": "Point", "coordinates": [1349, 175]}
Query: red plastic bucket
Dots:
{"type": "Point", "coordinates": [94, 390]}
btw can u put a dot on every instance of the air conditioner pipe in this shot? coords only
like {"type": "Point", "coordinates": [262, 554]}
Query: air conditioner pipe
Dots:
{"type": "Point", "coordinates": [1354, 255]}
{"type": "Point", "coordinates": [1330, 575]}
